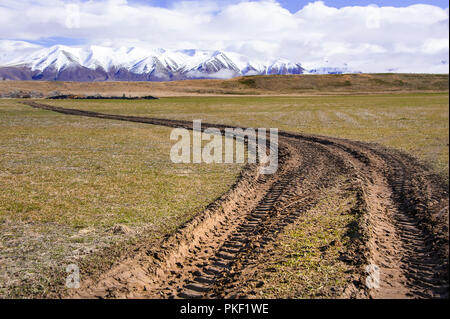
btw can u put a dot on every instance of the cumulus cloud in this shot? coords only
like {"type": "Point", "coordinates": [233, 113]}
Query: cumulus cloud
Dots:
{"type": "Point", "coordinates": [366, 38]}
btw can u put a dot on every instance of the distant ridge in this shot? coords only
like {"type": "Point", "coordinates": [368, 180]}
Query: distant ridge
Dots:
{"type": "Point", "coordinates": [301, 85]}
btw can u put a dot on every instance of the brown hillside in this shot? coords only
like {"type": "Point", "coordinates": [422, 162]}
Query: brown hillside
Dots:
{"type": "Point", "coordinates": [252, 85]}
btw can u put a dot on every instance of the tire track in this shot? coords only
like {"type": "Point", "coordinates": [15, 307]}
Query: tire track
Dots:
{"type": "Point", "coordinates": [406, 207]}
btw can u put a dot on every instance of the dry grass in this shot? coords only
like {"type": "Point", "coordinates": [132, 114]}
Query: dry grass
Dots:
{"type": "Point", "coordinates": [414, 122]}
{"type": "Point", "coordinates": [254, 85]}
{"type": "Point", "coordinates": [308, 259]}
{"type": "Point", "coordinates": [66, 181]}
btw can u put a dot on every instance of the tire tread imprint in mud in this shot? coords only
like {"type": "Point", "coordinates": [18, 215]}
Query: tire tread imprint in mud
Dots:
{"type": "Point", "coordinates": [404, 217]}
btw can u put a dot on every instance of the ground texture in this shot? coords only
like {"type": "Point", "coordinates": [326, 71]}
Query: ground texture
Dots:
{"type": "Point", "coordinates": [251, 85]}
{"type": "Point", "coordinates": [394, 209]}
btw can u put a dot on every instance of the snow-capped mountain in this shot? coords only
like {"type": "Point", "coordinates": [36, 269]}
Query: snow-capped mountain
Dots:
{"type": "Point", "coordinates": [97, 63]}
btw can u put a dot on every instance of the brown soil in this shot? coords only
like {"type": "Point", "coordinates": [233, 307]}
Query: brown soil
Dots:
{"type": "Point", "coordinates": [404, 224]}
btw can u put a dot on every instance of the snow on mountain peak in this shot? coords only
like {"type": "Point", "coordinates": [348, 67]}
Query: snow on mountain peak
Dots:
{"type": "Point", "coordinates": [133, 63]}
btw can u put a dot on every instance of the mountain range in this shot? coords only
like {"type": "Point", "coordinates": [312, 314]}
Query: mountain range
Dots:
{"type": "Point", "coordinates": [96, 63]}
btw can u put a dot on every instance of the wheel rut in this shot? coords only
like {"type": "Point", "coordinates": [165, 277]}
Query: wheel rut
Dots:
{"type": "Point", "coordinates": [406, 207]}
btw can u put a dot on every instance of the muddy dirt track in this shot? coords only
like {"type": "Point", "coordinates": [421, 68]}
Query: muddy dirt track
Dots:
{"type": "Point", "coordinates": [403, 225]}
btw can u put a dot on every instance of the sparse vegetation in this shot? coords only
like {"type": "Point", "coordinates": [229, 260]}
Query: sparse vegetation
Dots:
{"type": "Point", "coordinates": [22, 95]}
{"type": "Point", "coordinates": [312, 255]}
{"type": "Point", "coordinates": [415, 122]}
{"type": "Point", "coordinates": [249, 85]}
{"type": "Point", "coordinates": [68, 181]}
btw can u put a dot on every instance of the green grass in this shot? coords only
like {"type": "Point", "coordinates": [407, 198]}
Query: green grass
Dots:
{"type": "Point", "coordinates": [65, 181]}
{"type": "Point", "coordinates": [413, 122]}
{"type": "Point", "coordinates": [307, 257]}
{"type": "Point", "coordinates": [81, 171]}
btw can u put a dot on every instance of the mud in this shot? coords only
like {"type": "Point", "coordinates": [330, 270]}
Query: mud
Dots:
{"type": "Point", "coordinates": [403, 204]}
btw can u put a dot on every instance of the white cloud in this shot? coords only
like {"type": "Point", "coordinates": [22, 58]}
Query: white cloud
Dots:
{"type": "Point", "coordinates": [369, 38]}
{"type": "Point", "coordinates": [11, 48]}
{"type": "Point", "coordinates": [432, 46]}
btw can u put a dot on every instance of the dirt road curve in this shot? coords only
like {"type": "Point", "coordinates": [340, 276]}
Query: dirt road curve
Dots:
{"type": "Point", "coordinates": [404, 209]}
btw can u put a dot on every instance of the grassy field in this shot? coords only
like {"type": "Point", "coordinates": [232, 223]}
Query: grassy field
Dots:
{"type": "Point", "coordinates": [69, 183]}
{"type": "Point", "coordinates": [71, 186]}
{"type": "Point", "coordinates": [254, 85]}
{"type": "Point", "coordinates": [414, 122]}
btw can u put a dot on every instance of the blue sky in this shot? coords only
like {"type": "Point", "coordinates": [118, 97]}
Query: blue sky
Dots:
{"type": "Point", "coordinates": [295, 5]}
{"type": "Point", "coordinates": [389, 36]}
